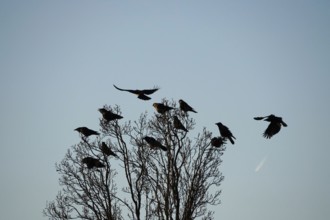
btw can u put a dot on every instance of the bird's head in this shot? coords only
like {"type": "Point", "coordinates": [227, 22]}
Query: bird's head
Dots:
{"type": "Point", "coordinates": [219, 123]}
{"type": "Point", "coordinates": [78, 129]}
{"type": "Point", "coordinates": [180, 101]}
{"type": "Point", "coordinates": [102, 110]}
{"type": "Point", "coordinates": [155, 105]}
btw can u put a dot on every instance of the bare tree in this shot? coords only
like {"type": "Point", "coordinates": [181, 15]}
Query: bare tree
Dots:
{"type": "Point", "coordinates": [177, 180]}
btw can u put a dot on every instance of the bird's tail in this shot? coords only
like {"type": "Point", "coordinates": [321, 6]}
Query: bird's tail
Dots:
{"type": "Point", "coordinates": [163, 148]}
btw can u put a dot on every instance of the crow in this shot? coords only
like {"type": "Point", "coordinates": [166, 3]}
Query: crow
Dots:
{"type": "Point", "coordinates": [218, 141]}
{"type": "Point", "coordinates": [274, 126]}
{"type": "Point", "coordinates": [225, 132]}
{"type": "Point", "coordinates": [86, 131]}
{"type": "Point", "coordinates": [185, 107]}
{"type": "Point", "coordinates": [161, 108]}
{"type": "Point", "coordinates": [108, 115]}
{"type": "Point", "coordinates": [177, 124]}
{"type": "Point", "coordinates": [141, 94]}
{"type": "Point", "coordinates": [92, 162]}
{"type": "Point", "coordinates": [106, 150]}
{"type": "Point", "coordinates": [153, 143]}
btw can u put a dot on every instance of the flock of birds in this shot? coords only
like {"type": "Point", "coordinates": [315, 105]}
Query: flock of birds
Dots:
{"type": "Point", "coordinates": [275, 124]}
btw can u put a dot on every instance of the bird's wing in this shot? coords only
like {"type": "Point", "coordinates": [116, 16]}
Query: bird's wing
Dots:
{"type": "Point", "coordinates": [149, 91]}
{"type": "Point", "coordinates": [128, 90]}
{"type": "Point", "coordinates": [272, 129]}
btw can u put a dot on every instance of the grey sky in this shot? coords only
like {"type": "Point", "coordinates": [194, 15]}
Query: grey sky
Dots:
{"type": "Point", "coordinates": [231, 60]}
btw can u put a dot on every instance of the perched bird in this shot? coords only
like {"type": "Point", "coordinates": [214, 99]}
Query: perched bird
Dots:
{"type": "Point", "coordinates": [153, 143]}
{"type": "Point", "coordinates": [106, 150]}
{"type": "Point", "coordinates": [225, 132]}
{"type": "Point", "coordinates": [177, 124]}
{"type": "Point", "coordinates": [141, 94]}
{"type": "Point", "coordinates": [92, 162]}
{"type": "Point", "coordinates": [108, 115]}
{"type": "Point", "coordinates": [86, 131]}
{"type": "Point", "coordinates": [185, 107]}
{"type": "Point", "coordinates": [218, 141]}
{"type": "Point", "coordinates": [274, 127]}
{"type": "Point", "coordinates": [161, 108]}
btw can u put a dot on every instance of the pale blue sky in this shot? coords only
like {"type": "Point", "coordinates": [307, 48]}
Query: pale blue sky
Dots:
{"type": "Point", "coordinates": [231, 60]}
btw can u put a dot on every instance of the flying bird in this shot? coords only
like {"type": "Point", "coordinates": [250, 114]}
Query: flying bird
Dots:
{"type": "Point", "coordinates": [108, 115]}
{"type": "Point", "coordinates": [92, 162]}
{"type": "Point", "coordinates": [218, 141]}
{"type": "Point", "coordinates": [86, 131]}
{"type": "Point", "coordinates": [153, 143]}
{"type": "Point", "coordinates": [106, 150]}
{"type": "Point", "coordinates": [225, 132]}
{"type": "Point", "coordinates": [274, 126]}
{"type": "Point", "coordinates": [185, 107]}
{"type": "Point", "coordinates": [141, 94]}
{"type": "Point", "coordinates": [178, 124]}
{"type": "Point", "coordinates": [161, 108]}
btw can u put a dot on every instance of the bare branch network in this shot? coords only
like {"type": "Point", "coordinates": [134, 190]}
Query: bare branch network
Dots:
{"type": "Point", "coordinates": [166, 175]}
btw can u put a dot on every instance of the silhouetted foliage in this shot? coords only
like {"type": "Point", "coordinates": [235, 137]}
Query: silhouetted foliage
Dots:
{"type": "Point", "coordinates": [179, 183]}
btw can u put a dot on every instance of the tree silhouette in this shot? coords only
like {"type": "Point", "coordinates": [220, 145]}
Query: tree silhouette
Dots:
{"type": "Point", "coordinates": [179, 183]}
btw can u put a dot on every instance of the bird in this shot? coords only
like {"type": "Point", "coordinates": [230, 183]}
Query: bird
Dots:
{"type": "Point", "coordinates": [161, 108]}
{"type": "Point", "coordinates": [185, 107]}
{"type": "Point", "coordinates": [108, 115]}
{"type": "Point", "coordinates": [218, 141]}
{"type": "Point", "coordinates": [225, 132]}
{"type": "Point", "coordinates": [153, 143]}
{"type": "Point", "coordinates": [274, 126]}
{"type": "Point", "coordinates": [178, 124]}
{"type": "Point", "coordinates": [106, 150]}
{"type": "Point", "coordinates": [86, 131]}
{"type": "Point", "coordinates": [141, 94]}
{"type": "Point", "coordinates": [92, 162]}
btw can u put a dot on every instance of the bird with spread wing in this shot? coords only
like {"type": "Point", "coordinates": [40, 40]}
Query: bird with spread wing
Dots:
{"type": "Point", "coordinates": [274, 126]}
{"type": "Point", "coordinates": [141, 94]}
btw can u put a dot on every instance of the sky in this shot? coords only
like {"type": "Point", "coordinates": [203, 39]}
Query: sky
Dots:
{"type": "Point", "coordinates": [230, 60]}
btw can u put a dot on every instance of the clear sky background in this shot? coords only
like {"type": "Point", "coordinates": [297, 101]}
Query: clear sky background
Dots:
{"type": "Point", "coordinates": [230, 60]}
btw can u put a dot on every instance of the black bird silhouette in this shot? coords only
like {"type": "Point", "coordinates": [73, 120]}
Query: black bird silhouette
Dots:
{"type": "Point", "coordinates": [108, 115]}
{"type": "Point", "coordinates": [225, 132]}
{"type": "Point", "coordinates": [274, 126]}
{"type": "Point", "coordinates": [141, 94]}
{"type": "Point", "coordinates": [106, 150]}
{"type": "Point", "coordinates": [86, 131]}
{"type": "Point", "coordinates": [161, 108]}
{"type": "Point", "coordinates": [178, 124]}
{"type": "Point", "coordinates": [185, 107]}
{"type": "Point", "coordinates": [218, 141]}
{"type": "Point", "coordinates": [153, 143]}
{"type": "Point", "coordinates": [92, 162]}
